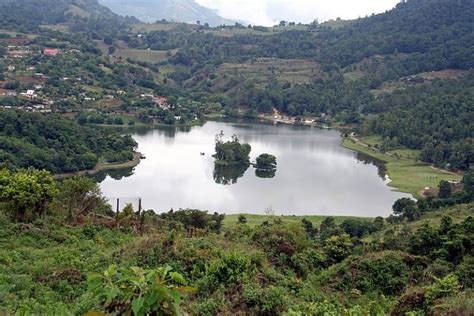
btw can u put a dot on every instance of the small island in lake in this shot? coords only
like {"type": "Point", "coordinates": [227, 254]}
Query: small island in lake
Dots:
{"type": "Point", "coordinates": [231, 160]}
{"type": "Point", "coordinates": [266, 161]}
{"type": "Point", "coordinates": [231, 153]}
{"type": "Point", "coordinates": [265, 166]}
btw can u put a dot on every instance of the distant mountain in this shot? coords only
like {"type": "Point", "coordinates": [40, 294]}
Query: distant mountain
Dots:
{"type": "Point", "coordinates": [187, 11]}
{"type": "Point", "coordinates": [32, 13]}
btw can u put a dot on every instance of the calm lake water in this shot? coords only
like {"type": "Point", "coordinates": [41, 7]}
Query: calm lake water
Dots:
{"type": "Point", "coordinates": [315, 175]}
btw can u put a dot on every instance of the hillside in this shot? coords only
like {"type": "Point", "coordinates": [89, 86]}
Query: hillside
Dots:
{"type": "Point", "coordinates": [280, 265]}
{"type": "Point", "coordinates": [150, 11]}
{"type": "Point", "coordinates": [398, 85]}
{"type": "Point", "coordinates": [33, 13]}
{"type": "Point", "coordinates": [375, 75]}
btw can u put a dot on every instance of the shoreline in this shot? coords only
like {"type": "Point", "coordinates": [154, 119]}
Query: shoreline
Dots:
{"type": "Point", "coordinates": [406, 175]}
{"type": "Point", "coordinates": [102, 167]}
{"type": "Point", "coordinates": [149, 126]}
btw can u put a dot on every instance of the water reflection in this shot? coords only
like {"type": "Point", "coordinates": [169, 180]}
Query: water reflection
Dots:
{"type": "Point", "coordinates": [380, 164]}
{"type": "Point", "coordinates": [315, 174]}
{"type": "Point", "coordinates": [117, 174]}
{"type": "Point", "coordinates": [227, 175]}
{"type": "Point", "coordinates": [265, 173]}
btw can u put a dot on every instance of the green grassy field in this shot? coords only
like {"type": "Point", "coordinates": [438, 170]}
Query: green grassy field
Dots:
{"type": "Point", "coordinates": [255, 220]}
{"type": "Point", "coordinates": [407, 175]}
{"type": "Point", "coordinates": [335, 24]}
{"type": "Point", "coordinates": [151, 56]}
{"type": "Point", "coordinates": [147, 27]}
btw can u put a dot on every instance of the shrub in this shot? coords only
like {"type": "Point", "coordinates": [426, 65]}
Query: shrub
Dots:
{"type": "Point", "coordinates": [465, 272]}
{"type": "Point", "coordinates": [442, 288]}
{"type": "Point", "coordinates": [387, 273]}
{"type": "Point", "coordinates": [337, 248]}
{"type": "Point", "coordinates": [139, 291]}
{"type": "Point", "coordinates": [206, 307]}
{"type": "Point", "coordinates": [242, 219]}
{"type": "Point", "coordinates": [230, 268]}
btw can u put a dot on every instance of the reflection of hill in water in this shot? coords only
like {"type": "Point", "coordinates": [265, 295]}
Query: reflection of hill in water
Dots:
{"type": "Point", "coordinates": [380, 164]}
{"type": "Point", "coordinates": [116, 174]}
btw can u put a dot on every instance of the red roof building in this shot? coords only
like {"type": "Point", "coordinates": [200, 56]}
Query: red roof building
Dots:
{"type": "Point", "coordinates": [50, 52]}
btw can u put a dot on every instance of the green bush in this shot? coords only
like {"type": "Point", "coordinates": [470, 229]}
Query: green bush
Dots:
{"type": "Point", "coordinates": [230, 268]}
{"type": "Point", "coordinates": [139, 291]}
{"type": "Point", "coordinates": [442, 288]}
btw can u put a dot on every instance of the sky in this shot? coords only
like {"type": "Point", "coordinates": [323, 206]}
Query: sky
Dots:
{"type": "Point", "coordinates": [269, 12]}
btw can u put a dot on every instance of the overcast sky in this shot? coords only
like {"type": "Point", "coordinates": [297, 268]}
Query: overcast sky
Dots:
{"type": "Point", "coordinates": [267, 12]}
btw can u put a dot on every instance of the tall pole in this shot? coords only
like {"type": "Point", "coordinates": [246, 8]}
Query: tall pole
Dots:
{"type": "Point", "coordinates": [118, 211]}
{"type": "Point", "coordinates": [140, 216]}
{"type": "Point", "coordinates": [139, 207]}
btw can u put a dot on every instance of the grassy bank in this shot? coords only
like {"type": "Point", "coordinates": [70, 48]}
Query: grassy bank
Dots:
{"type": "Point", "coordinates": [407, 174]}
{"type": "Point", "coordinates": [458, 213]}
{"type": "Point", "coordinates": [256, 220]}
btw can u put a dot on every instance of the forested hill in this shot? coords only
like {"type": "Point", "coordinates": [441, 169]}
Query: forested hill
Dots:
{"type": "Point", "coordinates": [360, 74]}
{"type": "Point", "coordinates": [57, 144]}
{"type": "Point", "coordinates": [188, 11]}
{"type": "Point", "coordinates": [440, 30]}
{"type": "Point", "coordinates": [29, 15]}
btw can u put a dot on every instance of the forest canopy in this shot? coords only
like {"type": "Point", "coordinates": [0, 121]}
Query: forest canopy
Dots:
{"type": "Point", "coordinates": [58, 144]}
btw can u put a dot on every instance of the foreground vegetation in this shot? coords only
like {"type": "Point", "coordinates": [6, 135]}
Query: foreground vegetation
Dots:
{"type": "Point", "coordinates": [63, 251]}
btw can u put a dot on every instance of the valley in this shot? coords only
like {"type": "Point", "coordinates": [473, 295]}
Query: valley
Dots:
{"type": "Point", "coordinates": [157, 159]}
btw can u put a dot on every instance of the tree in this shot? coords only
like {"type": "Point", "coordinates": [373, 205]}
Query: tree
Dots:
{"type": "Point", "coordinates": [266, 161]}
{"type": "Point", "coordinates": [337, 248]}
{"type": "Point", "coordinates": [82, 196]}
{"type": "Point", "coordinates": [379, 222]}
{"type": "Point", "coordinates": [231, 152]}
{"type": "Point", "coordinates": [242, 219]}
{"type": "Point", "coordinates": [328, 228]}
{"type": "Point", "coordinates": [468, 182]}
{"type": "Point", "coordinates": [28, 190]}
{"type": "Point", "coordinates": [215, 223]}
{"type": "Point", "coordinates": [445, 190]}
{"type": "Point", "coordinates": [407, 208]}
{"type": "Point", "coordinates": [309, 228]}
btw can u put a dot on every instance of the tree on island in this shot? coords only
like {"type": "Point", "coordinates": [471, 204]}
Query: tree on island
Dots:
{"type": "Point", "coordinates": [231, 152]}
{"type": "Point", "coordinates": [266, 161]}
{"type": "Point", "coordinates": [265, 166]}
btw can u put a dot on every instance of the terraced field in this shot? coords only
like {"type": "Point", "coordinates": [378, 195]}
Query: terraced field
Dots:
{"type": "Point", "coordinates": [262, 70]}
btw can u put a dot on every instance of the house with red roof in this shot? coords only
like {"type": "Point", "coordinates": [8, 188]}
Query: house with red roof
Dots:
{"type": "Point", "coordinates": [50, 52]}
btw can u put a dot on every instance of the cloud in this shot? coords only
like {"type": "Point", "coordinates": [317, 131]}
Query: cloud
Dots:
{"type": "Point", "coordinates": [268, 12]}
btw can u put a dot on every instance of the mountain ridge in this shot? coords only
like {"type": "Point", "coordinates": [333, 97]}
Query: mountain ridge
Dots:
{"type": "Point", "coordinates": [187, 11]}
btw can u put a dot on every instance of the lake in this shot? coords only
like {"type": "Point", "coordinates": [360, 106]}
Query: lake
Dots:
{"type": "Point", "coordinates": [315, 175]}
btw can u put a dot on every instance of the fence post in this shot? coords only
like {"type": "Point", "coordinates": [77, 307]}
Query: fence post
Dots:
{"type": "Point", "coordinates": [140, 214]}
{"type": "Point", "coordinates": [118, 211]}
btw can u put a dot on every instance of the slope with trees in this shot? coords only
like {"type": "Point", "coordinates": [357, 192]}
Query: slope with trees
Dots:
{"type": "Point", "coordinates": [57, 144]}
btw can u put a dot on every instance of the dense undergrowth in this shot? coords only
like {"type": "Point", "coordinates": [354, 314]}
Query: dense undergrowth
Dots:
{"type": "Point", "coordinates": [275, 268]}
